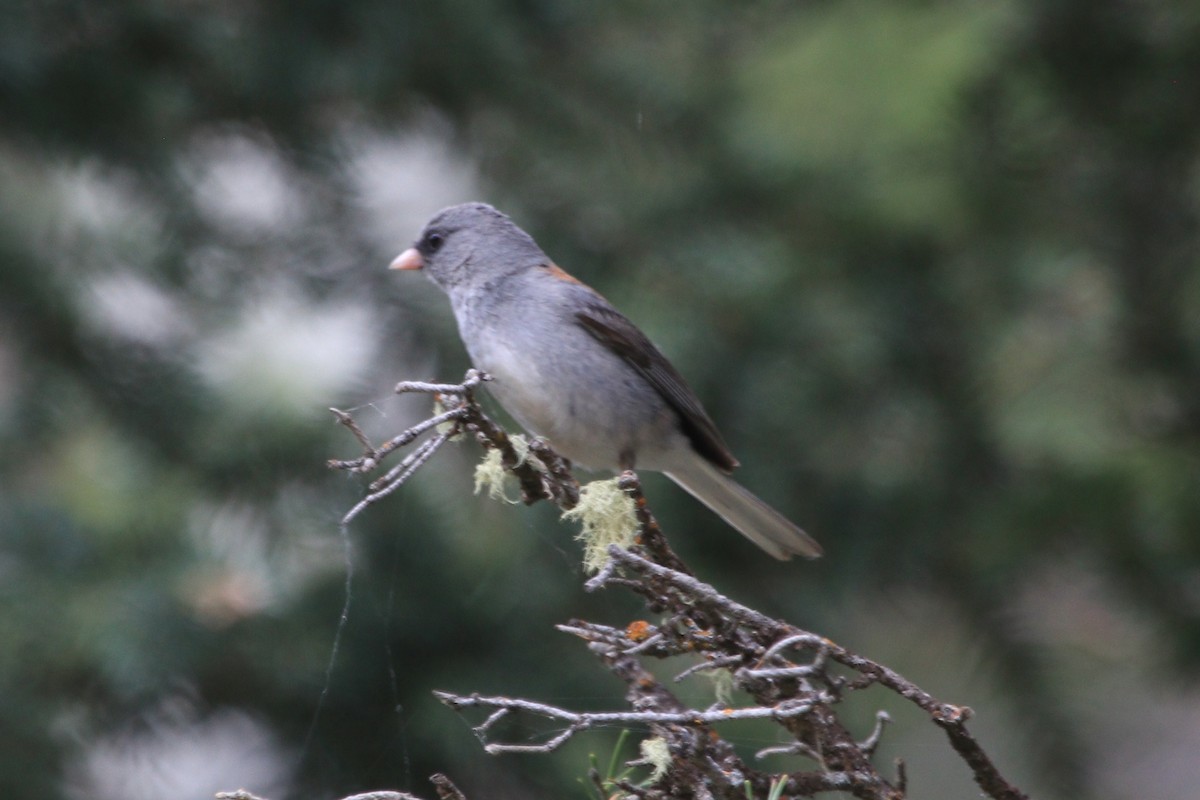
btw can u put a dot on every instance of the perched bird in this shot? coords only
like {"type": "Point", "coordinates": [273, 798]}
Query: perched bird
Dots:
{"type": "Point", "coordinates": [575, 371]}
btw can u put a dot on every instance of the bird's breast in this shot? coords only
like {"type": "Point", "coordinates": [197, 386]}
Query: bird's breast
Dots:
{"type": "Point", "coordinates": [559, 383]}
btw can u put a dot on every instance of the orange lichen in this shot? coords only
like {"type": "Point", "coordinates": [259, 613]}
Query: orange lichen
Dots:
{"type": "Point", "coordinates": [639, 630]}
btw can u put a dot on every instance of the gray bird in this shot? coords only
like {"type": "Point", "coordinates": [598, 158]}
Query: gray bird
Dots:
{"type": "Point", "coordinates": [573, 370]}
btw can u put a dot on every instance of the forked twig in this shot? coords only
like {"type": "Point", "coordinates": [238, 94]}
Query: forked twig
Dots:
{"type": "Point", "coordinates": [793, 678]}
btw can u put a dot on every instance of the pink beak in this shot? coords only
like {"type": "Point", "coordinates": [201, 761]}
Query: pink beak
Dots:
{"type": "Point", "coordinates": [409, 259]}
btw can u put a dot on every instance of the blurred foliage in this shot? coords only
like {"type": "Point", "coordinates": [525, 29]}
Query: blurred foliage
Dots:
{"type": "Point", "coordinates": [932, 265]}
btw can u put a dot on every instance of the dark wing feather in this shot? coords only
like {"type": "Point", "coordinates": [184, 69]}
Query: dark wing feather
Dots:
{"type": "Point", "coordinates": [614, 330]}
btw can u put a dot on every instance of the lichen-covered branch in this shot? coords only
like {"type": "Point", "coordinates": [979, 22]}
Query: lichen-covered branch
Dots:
{"type": "Point", "coordinates": [794, 678]}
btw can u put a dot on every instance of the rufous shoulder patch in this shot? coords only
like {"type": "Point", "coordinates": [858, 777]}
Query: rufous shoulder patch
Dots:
{"type": "Point", "coordinates": [561, 274]}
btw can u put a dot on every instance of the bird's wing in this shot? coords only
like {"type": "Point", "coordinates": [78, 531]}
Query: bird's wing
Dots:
{"type": "Point", "coordinates": [614, 330]}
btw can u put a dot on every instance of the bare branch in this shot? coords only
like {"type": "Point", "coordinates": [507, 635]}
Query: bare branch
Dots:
{"type": "Point", "coordinates": [871, 742]}
{"type": "Point", "coordinates": [718, 662]}
{"type": "Point", "coordinates": [472, 379]}
{"type": "Point", "coordinates": [445, 789]}
{"type": "Point", "coordinates": [794, 678]}
{"type": "Point", "coordinates": [583, 720]}
{"type": "Point", "coordinates": [397, 476]}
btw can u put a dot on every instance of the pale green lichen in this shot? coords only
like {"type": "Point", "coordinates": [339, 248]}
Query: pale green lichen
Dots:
{"type": "Point", "coordinates": [722, 686]}
{"type": "Point", "coordinates": [607, 517]}
{"type": "Point", "coordinates": [490, 473]}
{"type": "Point", "coordinates": [448, 425]}
{"type": "Point", "coordinates": [657, 754]}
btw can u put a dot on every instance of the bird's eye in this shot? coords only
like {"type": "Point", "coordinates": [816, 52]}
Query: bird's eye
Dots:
{"type": "Point", "coordinates": [434, 242]}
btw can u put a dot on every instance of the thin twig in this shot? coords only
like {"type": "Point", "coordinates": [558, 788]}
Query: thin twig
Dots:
{"type": "Point", "coordinates": [793, 677]}
{"type": "Point", "coordinates": [446, 790]}
{"type": "Point", "coordinates": [582, 720]}
{"type": "Point", "coordinates": [719, 662]}
{"type": "Point", "coordinates": [409, 466]}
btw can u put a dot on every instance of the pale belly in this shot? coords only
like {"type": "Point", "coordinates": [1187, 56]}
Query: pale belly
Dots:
{"type": "Point", "coordinates": [595, 410]}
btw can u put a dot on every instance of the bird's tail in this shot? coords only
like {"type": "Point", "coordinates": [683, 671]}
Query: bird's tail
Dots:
{"type": "Point", "coordinates": [750, 516]}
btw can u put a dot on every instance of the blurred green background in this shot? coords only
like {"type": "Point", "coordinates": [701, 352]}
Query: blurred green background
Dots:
{"type": "Point", "coordinates": [932, 266]}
